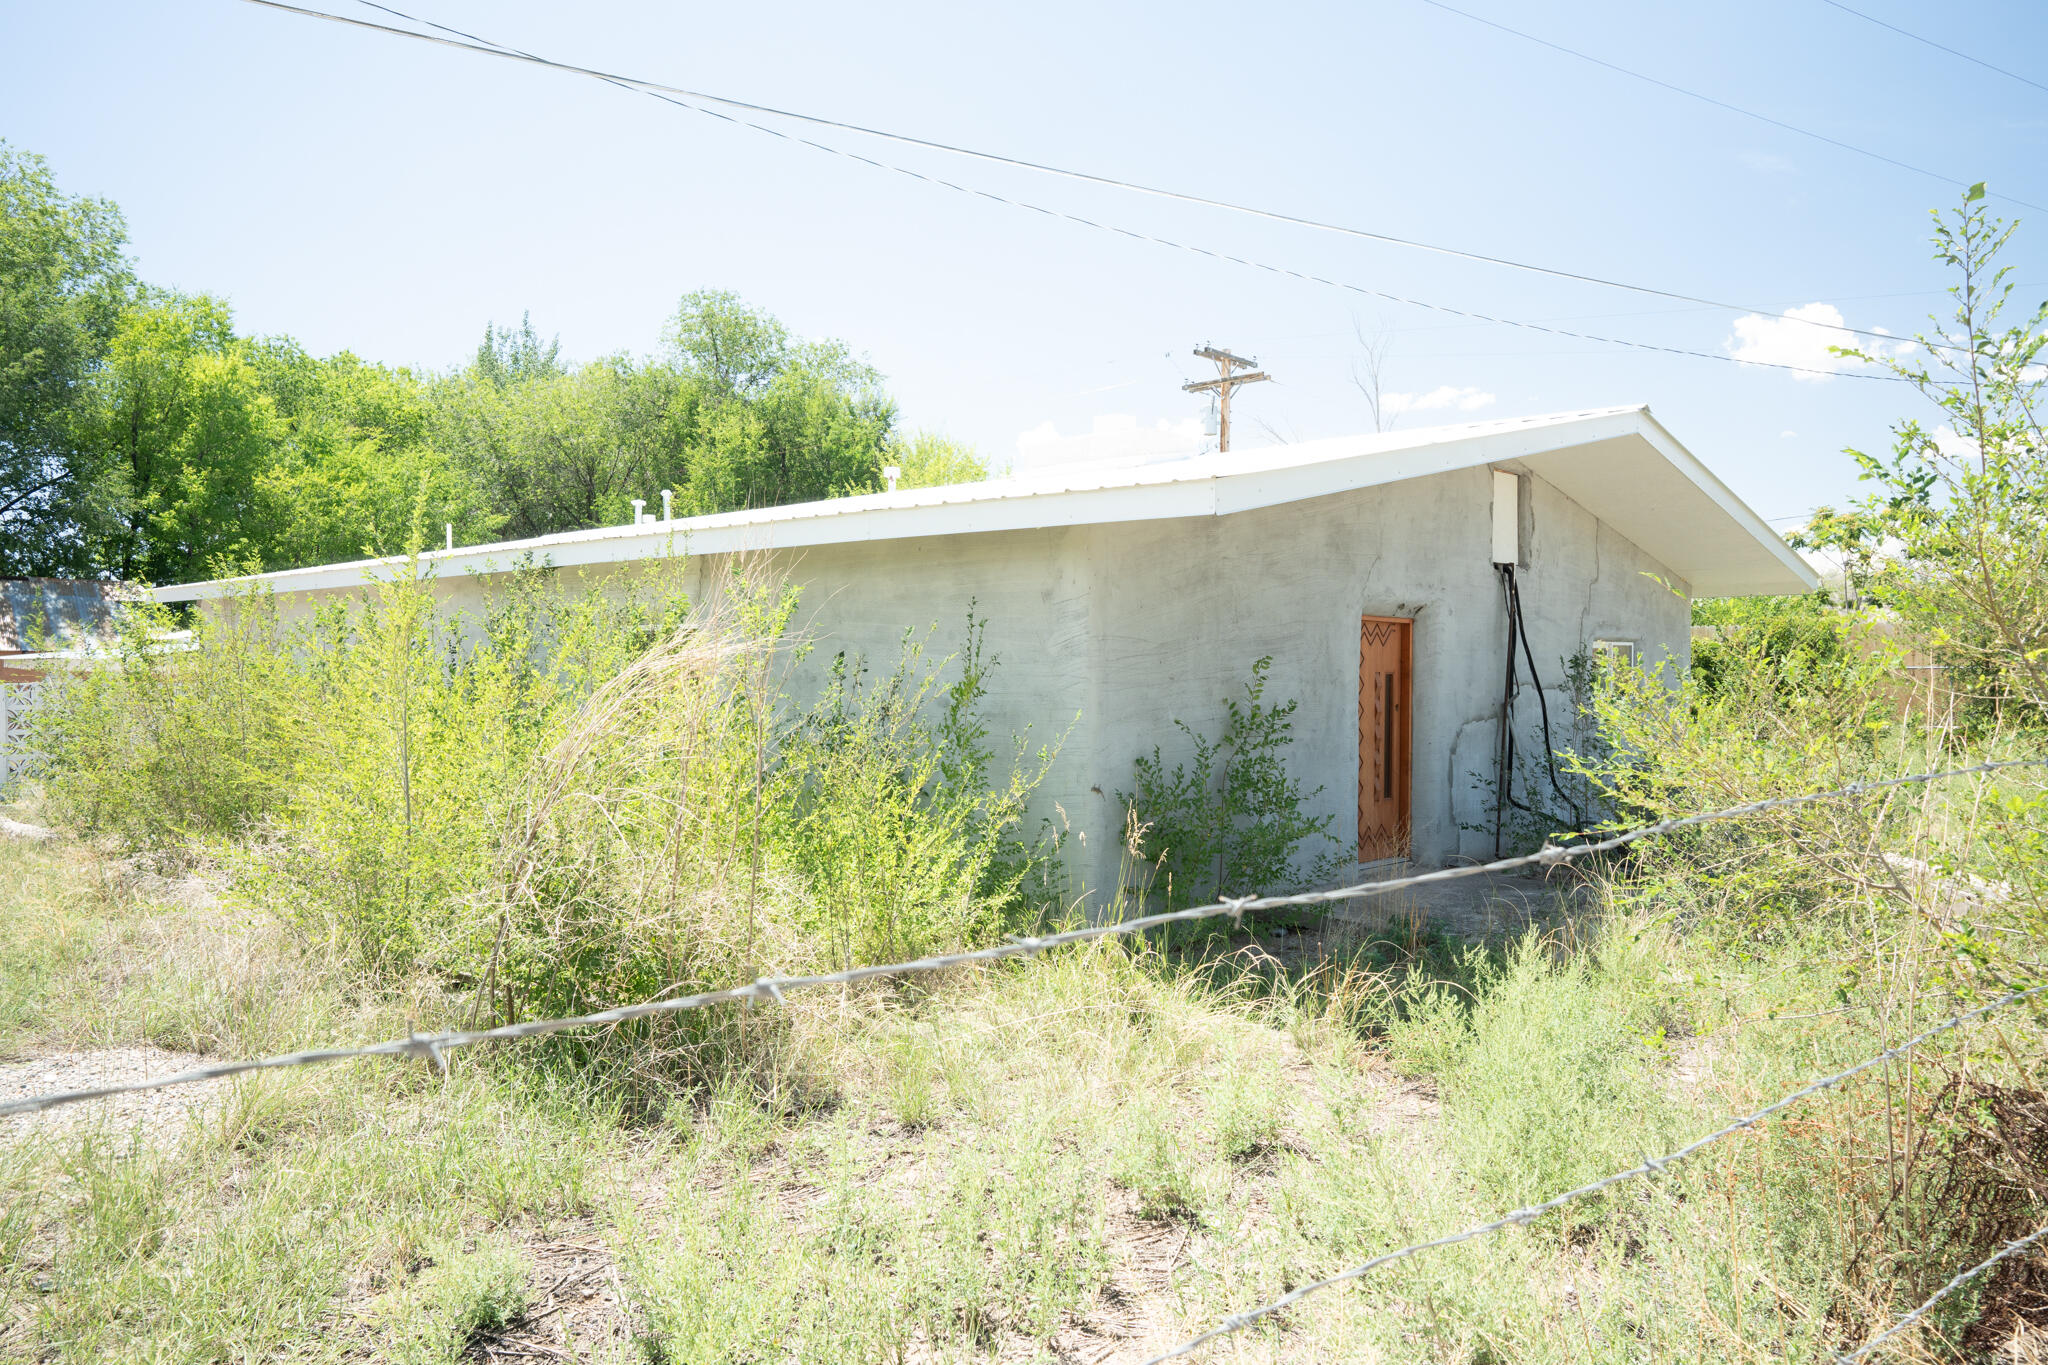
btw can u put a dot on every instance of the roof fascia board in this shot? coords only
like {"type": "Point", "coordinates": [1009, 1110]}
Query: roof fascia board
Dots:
{"type": "Point", "coordinates": [1154, 502]}
{"type": "Point", "coordinates": [1703, 478]}
{"type": "Point", "coordinates": [1267, 488]}
{"type": "Point", "coordinates": [848, 521]}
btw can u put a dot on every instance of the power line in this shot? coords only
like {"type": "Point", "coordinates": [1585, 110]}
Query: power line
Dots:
{"type": "Point", "coordinates": [1661, 84]}
{"type": "Point", "coordinates": [433, 1047]}
{"type": "Point", "coordinates": [1112, 182]}
{"type": "Point", "coordinates": [1941, 47]}
{"type": "Point", "coordinates": [681, 97]}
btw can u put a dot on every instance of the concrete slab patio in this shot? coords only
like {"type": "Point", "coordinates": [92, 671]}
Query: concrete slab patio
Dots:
{"type": "Point", "coordinates": [1483, 905]}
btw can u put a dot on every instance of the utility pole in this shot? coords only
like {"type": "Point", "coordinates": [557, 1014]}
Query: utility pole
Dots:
{"type": "Point", "coordinates": [1227, 378]}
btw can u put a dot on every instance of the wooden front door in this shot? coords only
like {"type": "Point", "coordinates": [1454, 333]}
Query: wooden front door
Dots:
{"type": "Point", "coordinates": [1386, 665]}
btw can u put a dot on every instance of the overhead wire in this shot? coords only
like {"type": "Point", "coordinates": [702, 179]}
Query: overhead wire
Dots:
{"type": "Point", "coordinates": [1134, 187]}
{"type": "Point", "coordinates": [682, 98]}
{"type": "Point", "coordinates": [1718, 103]}
{"type": "Point", "coordinates": [1941, 47]}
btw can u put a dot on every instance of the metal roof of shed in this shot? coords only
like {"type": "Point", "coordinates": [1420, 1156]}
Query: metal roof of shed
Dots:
{"type": "Point", "coordinates": [1620, 464]}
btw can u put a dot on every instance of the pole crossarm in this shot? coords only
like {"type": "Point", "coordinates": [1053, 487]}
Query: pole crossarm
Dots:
{"type": "Point", "coordinates": [1203, 385]}
{"type": "Point", "coordinates": [1228, 363]}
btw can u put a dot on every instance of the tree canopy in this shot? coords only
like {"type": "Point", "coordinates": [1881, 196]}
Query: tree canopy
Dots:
{"type": "Point", "coordinates": [64, 284]}
{"type": "Point", "coordinates": [143, 437]}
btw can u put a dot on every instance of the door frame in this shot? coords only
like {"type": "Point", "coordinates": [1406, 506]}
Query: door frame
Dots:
{"type": "Point", "coordinates": [1403, 737]}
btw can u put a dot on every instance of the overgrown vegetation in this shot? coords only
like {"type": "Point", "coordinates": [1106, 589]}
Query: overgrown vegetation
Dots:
{"type": "Point", "coordinates": [385, 817]}
{"type": "Point", "coordinates": [1799, 641]}
{"type": "Point", "coordinates": [585, 797]}
{"type": "Point", "coordinates": [1231, 816]}
{"type": "Point", "coordinates": [1951, 537]}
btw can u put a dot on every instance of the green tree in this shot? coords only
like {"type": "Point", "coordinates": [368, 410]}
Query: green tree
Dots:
{"type": "Point", "coordinates": [178, 419]}
{"type": "Point", "coordinates": [737, 414]}
{"type": "Point", "coordinates": [567, 449]}
{"type": "Point", "coordinates": [357, 462]}
{"type": "Point", "coordinates": [140, 437]}
{"type": "Point", "coordinates": [1965, 501]}
{"type": "Point", "coordinates": [736, 350]}
{"type": "Point", "coordinates": [1800, 642]}
{"type": "Point", "coordinates": [64, 280]}
{"type": "Point", "coordinates": [505, 357]}
{"type": "Point", "coordinates": [816, 428]}
{"type": "Point", "coordinates": [929, 460]}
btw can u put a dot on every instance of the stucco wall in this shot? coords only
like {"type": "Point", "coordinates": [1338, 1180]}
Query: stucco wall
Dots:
{"type": "Point", "coordinates": [1185, 607]}
{"type": "Point", "coordinates": [1107, 634]}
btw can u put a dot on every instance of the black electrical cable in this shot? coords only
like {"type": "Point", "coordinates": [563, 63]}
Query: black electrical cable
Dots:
{"type": "Point", "coordinates": [1504, 748]}
{"type": "Point", "coordinates": [1518, 634]}
{"type": "Point", "coordinates": [1111, 182]}
{"type": "Point", "coordinates": [1543, 703]}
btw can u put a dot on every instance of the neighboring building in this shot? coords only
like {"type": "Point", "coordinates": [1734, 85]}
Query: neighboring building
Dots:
{"type": "Point", "coordinates": [42, 618]}
{"type": "Point", "coordinates": [53, 614]}
{"type": "Point", "coordinates": [1121, 599]}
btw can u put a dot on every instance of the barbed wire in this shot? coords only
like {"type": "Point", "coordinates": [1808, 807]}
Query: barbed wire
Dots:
{"type": "Point", "coordinates": [433, 1047]}
{"type": "Point", "coordinates": [1961, 1278]}
{"type": "Point", "coordinates": [1649, 1166]}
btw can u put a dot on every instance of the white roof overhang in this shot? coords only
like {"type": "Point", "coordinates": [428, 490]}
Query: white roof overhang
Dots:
{"type": "Point", "coordinates": [1619, 464]}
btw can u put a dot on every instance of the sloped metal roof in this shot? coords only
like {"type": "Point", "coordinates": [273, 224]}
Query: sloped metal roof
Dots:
{"type": "Point", "coordinates": [1619, 463]}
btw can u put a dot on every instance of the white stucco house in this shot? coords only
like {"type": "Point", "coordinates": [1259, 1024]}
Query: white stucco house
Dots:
{"type": "Point", "coordinates": [1121, 598]}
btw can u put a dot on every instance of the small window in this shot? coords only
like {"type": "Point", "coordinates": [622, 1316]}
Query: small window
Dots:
{"type": "Point", "coordinates": [1615, 654]}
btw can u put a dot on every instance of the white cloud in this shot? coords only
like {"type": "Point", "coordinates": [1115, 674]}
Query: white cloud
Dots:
{"type": "Point", "coordinates": [1954, 445]}
{"type": "Point", "coordinates": [1800, 337]}
{"type": "Point", "coordinates": [1786, 434]}
{"type": "Point", "coordinates": [1113, 437]}
{"type": "Point", "coordinates": [1442, 396]}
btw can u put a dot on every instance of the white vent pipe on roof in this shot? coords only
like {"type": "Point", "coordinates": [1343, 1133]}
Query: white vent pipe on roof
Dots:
{"type": "Point", "coordinates": [892, 472]}
{"type": "Point", "coordinates": [639, 511]}
{"type": "Point", "coordinates": [450, 527]}
{"type": "Point", "coordinates": [668, 504]}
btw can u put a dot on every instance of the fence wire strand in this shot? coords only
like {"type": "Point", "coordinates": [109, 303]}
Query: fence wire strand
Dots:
{"type": "Point", "coordinates": [1961, 1278]}
{"type": "Point", "coordinates": [1648, 1166]}
{"type": "Point", "coordinates": [433, 1047]}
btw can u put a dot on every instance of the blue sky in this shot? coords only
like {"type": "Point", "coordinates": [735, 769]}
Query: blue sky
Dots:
{"type": "Point", "coordinates": [390, 198]}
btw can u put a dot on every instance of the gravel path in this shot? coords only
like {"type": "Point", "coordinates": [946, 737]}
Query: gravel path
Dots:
{"type": "Point", "coordinates": [161, 1115]}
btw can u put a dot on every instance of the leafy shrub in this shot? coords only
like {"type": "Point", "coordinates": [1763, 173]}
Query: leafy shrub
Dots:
{"type": "Point", "coordinates": [1801, 642]}
{"type": "Point", "coordinates": [161, 741]}
{"type": "Point", "coordinates": [1546, 1081]}
{"type": "Point", "coordinates": [574, 802]}
{"type": "Point", "coordinates": [1152, 1160]}
{"type": "Point", "coordinates": [1672, 752]}
{"type": "Point", "coordinates": [1232, 817]}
